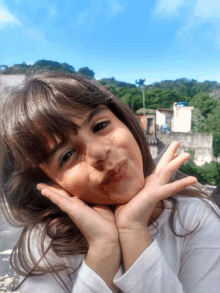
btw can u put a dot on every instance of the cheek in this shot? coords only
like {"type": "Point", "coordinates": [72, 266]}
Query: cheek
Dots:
{"type": "Point", "coordinates": [74, 181]}
{"type": "Point", "coordinates": [124, 138]}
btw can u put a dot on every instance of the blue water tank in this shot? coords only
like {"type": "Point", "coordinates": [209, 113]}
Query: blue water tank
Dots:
{"type": "Point", "coordinates": [182, 104]}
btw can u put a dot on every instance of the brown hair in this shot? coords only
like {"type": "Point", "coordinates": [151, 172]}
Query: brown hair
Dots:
{"type": "Point", "coordinates": [43, 107]}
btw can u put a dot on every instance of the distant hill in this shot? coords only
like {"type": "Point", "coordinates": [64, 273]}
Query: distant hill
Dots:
{"type": "Point", "coordinates": [113, 81]}
{"type": "Point", "coordinates": [186, 87]}
{"type": "Point", "coordinates": [45, 65]}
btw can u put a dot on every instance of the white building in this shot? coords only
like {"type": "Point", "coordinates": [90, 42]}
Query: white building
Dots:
{"type": "Point", "coordinates": [182, 116]}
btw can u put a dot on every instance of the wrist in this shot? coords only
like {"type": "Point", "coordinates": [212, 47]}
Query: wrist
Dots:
{"type": "Point", "coordinates": [103, 250]}
{"type": "Point", "coordinates": [105, 261]}
{"type": "Point", "coordinates": [133, 244]}
{"type": "Point", "coordinates": [134, 233]}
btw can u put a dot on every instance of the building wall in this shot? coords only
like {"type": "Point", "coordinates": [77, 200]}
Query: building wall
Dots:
{"type": "Point", "coordinates": [143, 120]}
{"type": "Point", "coordinates": [161, 118]}
{"type": "Point", "coordinates": [201, 144]}
{"type": "Point", "coordinates": [182, 118]}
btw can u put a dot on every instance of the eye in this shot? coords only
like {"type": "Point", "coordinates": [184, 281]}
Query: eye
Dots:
{"type": "Point", "coordinates": [66, 157]}
{"type": "Point", "coordinates": [100, 126]}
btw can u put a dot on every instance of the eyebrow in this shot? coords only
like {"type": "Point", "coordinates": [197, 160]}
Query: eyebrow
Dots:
{"type": "Point", "coordinates": [97, 110]}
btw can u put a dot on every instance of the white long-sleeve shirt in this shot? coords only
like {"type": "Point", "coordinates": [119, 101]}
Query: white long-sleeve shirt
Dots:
{"type": "Point", "coordinates": [171, 264]}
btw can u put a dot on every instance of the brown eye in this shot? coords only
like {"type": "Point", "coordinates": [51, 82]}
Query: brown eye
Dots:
{"type": "Point", "coordinates": [66, 157]}
{"type": "Point", "coordinates": [100, 126]}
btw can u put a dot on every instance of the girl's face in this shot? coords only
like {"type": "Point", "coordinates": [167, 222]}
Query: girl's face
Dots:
{"type": "Point", "coordinates": [101, 163]}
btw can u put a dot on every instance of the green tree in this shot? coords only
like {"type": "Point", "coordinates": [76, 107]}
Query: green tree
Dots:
{"type": "Point", "coordinates": [198, 121]}
{"type": "Point", "coordinates": [212, 124]}
{"type": "Point", "coordinates": [204, 103]}
{"type": "Point", "coordinates": [208, 173]}
{"type": "Point", "coordinates": [86, 72]}
{"type": "Point", "coordinates": [140, 83]}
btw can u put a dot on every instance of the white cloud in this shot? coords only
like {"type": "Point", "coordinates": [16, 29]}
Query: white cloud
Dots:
{"type": "Point", "coordinates": [52, 11]}
{"type": "Point", "coordinates": [200, 22]}
{"type": "Point", "coordinates": [81, 18]}
{"type": "Point", "coordinates": [106, 8]}
{"type": "Point", "coordinates": [115, 7]}
{"type": "Point", "coordinates": [167, 7]}
{"type": "Point", "coordinates": [151, 80]}
{"type": "Point", "coordinates": [7, 18]}
{"type": "Point", "coordinates": [206, 9]}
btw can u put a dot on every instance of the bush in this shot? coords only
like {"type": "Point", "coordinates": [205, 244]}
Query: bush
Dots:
{"type": "Point", "coordinates": [208, 173]}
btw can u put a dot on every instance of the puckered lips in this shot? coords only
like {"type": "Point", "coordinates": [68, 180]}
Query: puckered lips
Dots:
{"type": "Point", "coordinates": [116, 174]}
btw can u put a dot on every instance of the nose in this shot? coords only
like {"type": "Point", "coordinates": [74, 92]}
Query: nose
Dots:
{"type": "Point", "coordinates": [97, 154]}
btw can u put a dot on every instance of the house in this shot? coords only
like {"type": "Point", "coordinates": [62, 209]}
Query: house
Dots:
{"type": "Point", "coordinates": [182, 116]}
{"type": "Point", "coordinates": [164, 116]}
{"type": "Point", "coordinates": [178, 122]}
{"type": "Point", "coordinates": [147, 119]}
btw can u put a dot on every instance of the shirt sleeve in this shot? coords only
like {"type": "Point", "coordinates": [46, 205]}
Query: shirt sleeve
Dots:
{"type": "Point", "coordinates": [150, 273]}
{"type": "Point", "coordinates": [84, 280]}
{"type": "Point", "coordinates": [199, 266]}
{"type": "Point", "coordinates": [76, 278]}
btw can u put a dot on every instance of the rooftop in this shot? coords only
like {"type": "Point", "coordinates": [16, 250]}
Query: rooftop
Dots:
{"type": "Point", "coordinates": [146, 111]}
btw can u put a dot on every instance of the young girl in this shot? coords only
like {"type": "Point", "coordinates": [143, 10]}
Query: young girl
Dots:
{"type": "Point", "coordinates": [77, 174]}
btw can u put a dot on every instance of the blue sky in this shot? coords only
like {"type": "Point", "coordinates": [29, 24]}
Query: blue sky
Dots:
{"type": "Point", "coordinates": [155, 40]}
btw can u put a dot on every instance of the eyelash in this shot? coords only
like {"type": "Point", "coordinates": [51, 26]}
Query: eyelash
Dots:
{"type": "Point", "coordinates": [103, 125]}
{"type": "Point", "coordinates": [66, 157]}
{"type": "Point", "coordinates": [99, 124]}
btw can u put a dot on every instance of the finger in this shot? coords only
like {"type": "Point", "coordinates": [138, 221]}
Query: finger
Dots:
{"type": "Point", "coordinates": [175, 187]}
{"type": "Point", "coordinates": [168, 156]}
{"type": "Point", "coordinates": [166, 172]}
{"type": "Point", "coordinates": [70, 205]}
{"type": "Point", "coordinates": [176, 163]}
{"type": "Point", "coordinates": [55, 188]}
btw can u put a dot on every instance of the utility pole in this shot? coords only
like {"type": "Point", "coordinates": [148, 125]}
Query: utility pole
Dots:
{"type": "Point", "coordinates": [140, 84]}
{"type": "Point", "coordinates": [144, 103]}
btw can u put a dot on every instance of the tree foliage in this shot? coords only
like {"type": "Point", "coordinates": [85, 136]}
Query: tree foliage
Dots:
{"type": "Point", "coordinates": [185, 87]}
{"type": "Point", "coordinates": [204, 103]}
{"type": "Point", "coordinates": [45, 65]}
{"type": "Point", "coordinates": [113, 82]}
{"type": "Point", "coordinates": [208, 173]}
{"type": "Point", "coordinates": [140, 83]}
{"type": "Point", "coordinates": [86, 72]}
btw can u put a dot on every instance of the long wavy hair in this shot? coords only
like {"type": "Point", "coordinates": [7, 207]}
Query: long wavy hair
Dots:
{"type": "Point", "coordinates": [42, 108]}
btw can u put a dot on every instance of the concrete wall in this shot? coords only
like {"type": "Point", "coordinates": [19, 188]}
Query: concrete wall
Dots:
{"type": "Point", "coordinates": [153, 151]}
{"type": "Point", "coordinates": [200, 143]}
{"type": "Point", "coordinates": [9, 81]}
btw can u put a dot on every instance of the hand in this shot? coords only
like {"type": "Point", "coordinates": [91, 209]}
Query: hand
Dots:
{"type": "Point", "coordinates": [97, 224]}
{"type": "Point", "coordinates": [136, 213]}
